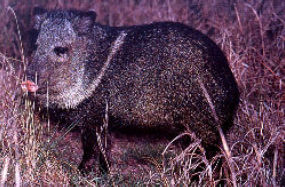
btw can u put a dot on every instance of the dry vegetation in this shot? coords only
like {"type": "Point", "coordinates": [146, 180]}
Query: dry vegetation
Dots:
{"type": "Point", "coordinates": [252, 35]}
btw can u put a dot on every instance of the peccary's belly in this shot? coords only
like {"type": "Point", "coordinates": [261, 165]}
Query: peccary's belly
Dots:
{"type": "Point", "coordinates": [155, 100]}
{"type": "Point", "coordinates": [141, 110]}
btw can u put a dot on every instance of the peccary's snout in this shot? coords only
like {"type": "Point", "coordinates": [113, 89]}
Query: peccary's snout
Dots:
{"type": "Point", "coordinates": [30, 85]}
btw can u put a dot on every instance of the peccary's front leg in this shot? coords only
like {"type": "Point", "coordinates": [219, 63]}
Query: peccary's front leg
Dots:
{"type": "Point", "coordinates": [102, 143]}
{"type": "Point", "coordinates": [102, 134]}
{"type": "Point", "coordinates": [90, 149]}
{"type": "Point", "coordinates": [95, 145]}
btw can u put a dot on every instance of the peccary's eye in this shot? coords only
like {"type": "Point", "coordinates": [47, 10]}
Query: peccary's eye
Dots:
{"type": "Point", "coordinates": [60, 50]}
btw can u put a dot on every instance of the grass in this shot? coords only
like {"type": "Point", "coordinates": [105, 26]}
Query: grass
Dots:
{"type": "Point", "coordinates": [251, 34]}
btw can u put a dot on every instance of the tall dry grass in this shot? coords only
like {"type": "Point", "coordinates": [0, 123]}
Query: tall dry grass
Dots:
{"type": "Point", "coordinates": [252, 35]}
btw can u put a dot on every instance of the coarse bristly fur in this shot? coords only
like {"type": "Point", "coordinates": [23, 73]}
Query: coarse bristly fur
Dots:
{"type": "Point", "coordinates": [150, 76]}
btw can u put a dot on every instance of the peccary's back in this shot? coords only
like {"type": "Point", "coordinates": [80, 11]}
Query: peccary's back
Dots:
{"type": "Point", "coordinates": [161, 76]}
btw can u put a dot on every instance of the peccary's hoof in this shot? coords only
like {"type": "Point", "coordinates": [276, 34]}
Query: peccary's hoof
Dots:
{"type": "Point", "coordinates": [85, 167]}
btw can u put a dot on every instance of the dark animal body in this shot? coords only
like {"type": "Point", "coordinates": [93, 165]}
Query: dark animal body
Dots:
{"type": "Point", "coordinates": [153, 77]}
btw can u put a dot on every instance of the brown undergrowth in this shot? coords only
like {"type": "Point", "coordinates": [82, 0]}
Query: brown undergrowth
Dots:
{"type": "Point", "coordinates": [252, 35]}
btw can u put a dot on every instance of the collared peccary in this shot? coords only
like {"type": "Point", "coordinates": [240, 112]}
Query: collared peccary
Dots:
{"type": "Point", "coordinates": [161, 78]}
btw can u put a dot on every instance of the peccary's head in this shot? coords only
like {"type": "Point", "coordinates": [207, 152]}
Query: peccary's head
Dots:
{"type": "Point", "coordinates": [59, 62]}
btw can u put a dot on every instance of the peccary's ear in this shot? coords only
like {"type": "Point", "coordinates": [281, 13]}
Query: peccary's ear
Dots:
{"type": "Point", "coordinates": [39, 15]}
{"type": "Point", "coordinates": [84, 22]}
